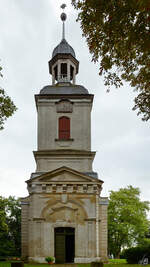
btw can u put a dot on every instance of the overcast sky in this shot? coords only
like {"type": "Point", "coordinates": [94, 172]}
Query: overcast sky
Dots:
{"type": "Point", "coordinates": [29, 31]}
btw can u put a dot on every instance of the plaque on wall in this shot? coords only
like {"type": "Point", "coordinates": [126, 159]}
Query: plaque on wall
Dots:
{"type": "Point", "coordinates": [64, 106]}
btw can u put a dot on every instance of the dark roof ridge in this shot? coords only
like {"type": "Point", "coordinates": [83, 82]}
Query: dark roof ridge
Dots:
{"type": "Point", "coordinates": [64, 89]}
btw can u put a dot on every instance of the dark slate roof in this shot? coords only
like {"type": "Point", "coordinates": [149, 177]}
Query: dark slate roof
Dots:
{"type": "Point", "coordinates": [92, 174]}
{"type": "Point", "coordinates": [64, 90]}
{"type": "Point", "coordinates": [63, 48]}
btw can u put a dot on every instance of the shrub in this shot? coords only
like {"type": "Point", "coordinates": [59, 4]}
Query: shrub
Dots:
{"type": "Point", "coordinates": [49, 259]}
{"type": "Point", "coordinates": [136, 254]}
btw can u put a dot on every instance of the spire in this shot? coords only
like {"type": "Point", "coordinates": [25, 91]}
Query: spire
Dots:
{"type": "Point", "coordinates": [63, 18]}
{"type": "Point", "coordinates": [63, 66]}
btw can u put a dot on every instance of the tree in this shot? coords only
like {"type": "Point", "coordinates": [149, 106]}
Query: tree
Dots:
{"type": "Point", "coordinates": [13, 218]}
{"type": "Point", "coordinates": [3, 224]}
{"type": "Point", "coordinates": [127, 219]}
{"type": "Point", "coordinates": [7, 107]}
{"type": "Point", "coordinates": [118, 36]}
{"type": "Point", "coordinates": [10, 227]}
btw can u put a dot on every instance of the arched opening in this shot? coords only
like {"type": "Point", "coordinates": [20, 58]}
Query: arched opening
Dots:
{"type": "Point", "coordinates": [64, 128]}
{"type": "Point", "coordinates": [63, 70]}
{"type": "Point", "coordinates": [71, 73]}
{"type": "Point", "coordinates": [64, 244]}
{"type": "Point", "coordinates": [56, 72]}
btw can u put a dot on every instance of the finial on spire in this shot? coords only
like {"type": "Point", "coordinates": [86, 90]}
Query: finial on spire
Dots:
{"type": "Point", "coordinates": [63, 18]}
{"type": "Point", "coordinates": [63, 6]}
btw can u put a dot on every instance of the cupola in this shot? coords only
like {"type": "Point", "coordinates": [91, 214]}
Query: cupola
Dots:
{"type": "Point", "coordinates": [63, 66]}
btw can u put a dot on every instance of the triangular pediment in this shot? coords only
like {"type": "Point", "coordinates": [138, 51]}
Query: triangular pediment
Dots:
{"type": "Point", "coordinates": [65, 175]}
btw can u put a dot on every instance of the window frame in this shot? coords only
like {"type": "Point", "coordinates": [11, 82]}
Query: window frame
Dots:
{"type": "Point", "coordinates": [64, 128]}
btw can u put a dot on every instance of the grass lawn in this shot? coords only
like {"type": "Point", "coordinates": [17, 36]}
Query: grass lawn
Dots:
{"type": "Point", "coordinates": [116, 261]}
{"type": "Point", "coordinates": [119, 263]}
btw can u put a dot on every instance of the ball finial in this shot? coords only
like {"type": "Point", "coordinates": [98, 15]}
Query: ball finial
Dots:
{"type": "Point", "coordinates": [63, 6]}
{"type": "Point", "coordinates": [63, 15]}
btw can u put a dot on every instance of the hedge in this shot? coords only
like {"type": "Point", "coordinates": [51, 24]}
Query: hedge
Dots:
{"type": "Point", "coordinates": [136, 254]}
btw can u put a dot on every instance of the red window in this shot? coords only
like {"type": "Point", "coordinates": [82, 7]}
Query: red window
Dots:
{"type": "Point", "coordinates": [64, 128]}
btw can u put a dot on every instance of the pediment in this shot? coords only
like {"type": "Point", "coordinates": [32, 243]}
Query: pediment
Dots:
{"type": "Point", "coordinates": [65, 175]}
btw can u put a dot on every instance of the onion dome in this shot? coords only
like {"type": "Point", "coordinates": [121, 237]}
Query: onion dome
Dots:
{"type": "Point", "coordinates": [63, 48]}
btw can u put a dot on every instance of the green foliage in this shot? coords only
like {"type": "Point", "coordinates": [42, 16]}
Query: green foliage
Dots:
{"type": "Point", "coordinates": [7, 107]}
{"type": "Point", "coordinates": [3, 224]}
{"type": "Point", "coordinates": [127, 219]}
{"type": "Point", "coordinates": [10, 227]}
{"type": "Point", "coordinates": [136, 254]}
{"type": "Point", "coordinates": [117, 34]}
{"type": "Point", "coordinates": [49, 259]}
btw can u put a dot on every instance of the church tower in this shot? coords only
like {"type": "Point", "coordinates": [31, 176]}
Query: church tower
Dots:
{"type": "Point", "coordinates": [64, 215]}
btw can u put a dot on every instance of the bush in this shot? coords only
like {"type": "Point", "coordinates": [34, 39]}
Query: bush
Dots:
{"type": "Point", "coordinates": [49, 259]}
{"type": "Point", "coordinates": [136, 254]}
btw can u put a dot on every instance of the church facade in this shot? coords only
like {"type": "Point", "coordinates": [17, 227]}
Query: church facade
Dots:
{"type": "Point", "coordinates": [64, 215]}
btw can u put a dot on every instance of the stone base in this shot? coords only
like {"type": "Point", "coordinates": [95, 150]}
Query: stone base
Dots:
{"type": "Point", "coordinates": [87, 260]}
{"type": "Point", "coordinates": [37, 259]}
{"type": "Point", "coordinates": [76, 260]}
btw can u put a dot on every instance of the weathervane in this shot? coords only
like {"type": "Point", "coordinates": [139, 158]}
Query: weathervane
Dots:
{"type": "Point", "coordinates": [63, 18]}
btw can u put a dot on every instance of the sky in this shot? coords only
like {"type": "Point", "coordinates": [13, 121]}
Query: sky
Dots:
{"type": "Point", "coordinates": [29, 31]}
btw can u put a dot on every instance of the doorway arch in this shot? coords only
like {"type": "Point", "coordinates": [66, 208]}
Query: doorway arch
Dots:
{"type": "Point", "coordinates": [64, 244]}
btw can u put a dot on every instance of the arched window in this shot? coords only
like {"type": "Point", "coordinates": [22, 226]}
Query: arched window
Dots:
{"type": "Point", "coordinates": [56, 72]}
{"type": "Point", "coordinates": [64, 128]}
{"type": "Point", "coordinates": [63, 70]}
{"type": "Point", "coordinates": [71, 72]}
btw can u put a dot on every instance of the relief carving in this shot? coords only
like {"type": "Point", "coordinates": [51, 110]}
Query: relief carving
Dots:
{"type": "Point", "coordinates": [64, 106]}
{"type": "Point", "coordinates": [68, 212]}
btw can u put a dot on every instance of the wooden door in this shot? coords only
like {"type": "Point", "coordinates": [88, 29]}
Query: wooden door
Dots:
{"type": "Point", "coordinates": [64, 244]}
{"type": "Point", "coordinates": [59, 248]}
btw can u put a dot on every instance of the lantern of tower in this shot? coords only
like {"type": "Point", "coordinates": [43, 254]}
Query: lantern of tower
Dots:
{"type": "Point", "coordinates": [63, 66]}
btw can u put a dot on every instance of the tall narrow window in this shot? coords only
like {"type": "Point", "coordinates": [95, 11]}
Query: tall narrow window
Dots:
{"type": "Point", "coordinates": [71, 72]}
{"type": "Point", "coordinates": [63, 70]}
{"type": "Point", "coordinates": [56, 72]}
{"type": "Point", "coordinates": [64, 128]}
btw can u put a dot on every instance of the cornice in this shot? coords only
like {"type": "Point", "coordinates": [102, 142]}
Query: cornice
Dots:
{"type": "Point", "coordinates": [64, 152]}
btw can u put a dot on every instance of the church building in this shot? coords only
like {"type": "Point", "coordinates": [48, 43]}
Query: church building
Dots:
{"type": "Point", "coordinates": [64, 215]}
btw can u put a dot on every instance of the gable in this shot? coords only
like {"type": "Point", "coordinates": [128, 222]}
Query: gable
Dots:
{"type": "Point", "coordinates": [65, 175]}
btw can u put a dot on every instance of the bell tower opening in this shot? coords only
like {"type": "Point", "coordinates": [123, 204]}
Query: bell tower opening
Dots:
{"type": "Point", "coordinates": [63, 70]}
{"type": "Point", "coordinates": [71, 73]}
{"type": "Point", "coordinates": [56, 72]}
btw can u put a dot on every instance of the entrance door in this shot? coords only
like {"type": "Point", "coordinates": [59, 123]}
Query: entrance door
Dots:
{"type": "Point", "coordinates": [64, 244]}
